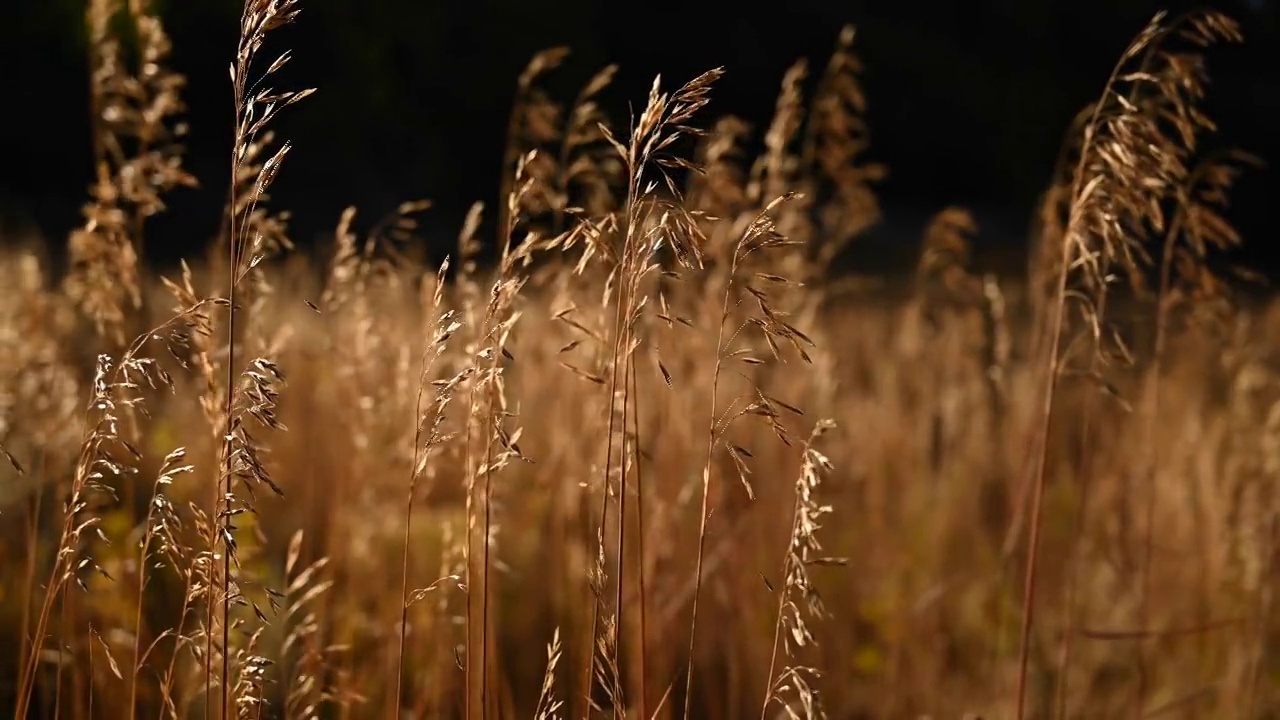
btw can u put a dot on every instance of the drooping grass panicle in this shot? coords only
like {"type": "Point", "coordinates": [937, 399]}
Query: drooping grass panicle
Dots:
{"type": "Point", "coordinates": [1132, 158]}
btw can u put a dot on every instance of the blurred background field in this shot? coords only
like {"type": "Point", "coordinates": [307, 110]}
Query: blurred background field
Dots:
{"type": "Point", "coordinates": [742, 439]}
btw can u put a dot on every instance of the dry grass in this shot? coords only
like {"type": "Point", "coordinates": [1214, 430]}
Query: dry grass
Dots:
{"type": "Point", "coordinates": [653, 461]}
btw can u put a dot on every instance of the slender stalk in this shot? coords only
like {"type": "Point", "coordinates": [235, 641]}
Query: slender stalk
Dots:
{"type": "Point", "coordinates": [640, 529]}
{"type": "Point", "coordinates": [235, 254]}
{"type": "Point", "coordinates": [1074, 560]}
{"type": "Point", "coordinates": [210, 603]}
{"type": "Point", "coordinates": [706, 480]}
{"type": "Point", "coordinates": [622, 511]}
{"type": "Point", "coordinates": [1037, 501]}
{"type": "Point", "coordinates": [1041, 445]}
{"type": "Point", "coordinates": [62, 627]}
{"type": "Point", "coordinates": [228, 411]}
{"type": "Point", "coordinates": [418, 459]}
{"type": "Point", "coordinates": [166, 686]}
{"type": "Point", "coordinates": [628, 377]}
{"type": "Point", "coordinates": [222, 516]}
{"type": "Point", "coordinates": [604, 498]}
{"type": "Point", "coordinates": [404, 550]}
{"type": "Point", "coordinates": [80, 713]}
{"type": "Point", "coordinates": [493, 335]}
{"type": "Point", "coordinates": [484, 549]}
{"type": "Point", "coordinates": [469, 465]}
{"type": "Point", "coordinates": [620, 333]}
{"type": "Point", "coordinates": [1153, 412]}
{"type": "Point", "coordinates": [137, 621]}
{"type": "Point", "coordinates": [777, 625]}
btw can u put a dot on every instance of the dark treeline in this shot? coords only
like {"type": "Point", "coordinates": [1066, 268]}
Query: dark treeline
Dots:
{"type": "Point", "coordinates": [969, 101]}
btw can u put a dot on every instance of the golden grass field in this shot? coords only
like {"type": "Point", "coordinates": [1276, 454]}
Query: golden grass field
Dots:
{"type": "Point", "coordinates": [644, 452]}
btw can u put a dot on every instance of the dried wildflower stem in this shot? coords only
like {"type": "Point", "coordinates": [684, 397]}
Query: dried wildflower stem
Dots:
{"type": "Point", "coordinates": [621, 301]}
{"type": "Point", "coordinates": [486, 378]}
{"type": "Point", "coordinates": [468, 660]}
{"type": "Point", "coordinates": [221, 510]}
{"type": "Point", "coordinates": [782, 599]}
{"type": "Point", "coordinates": [713, 433]}
{"type": "Point", "coordinates": [1131, 164]}
{"type": "Point", "coordinates": [67, 561]}
{"type": "Point", "coordinates": [640, 554]}
{"type": "Point", "coordinates": [221, 507]}
{"type": "Point", "coordinates": [622, 376]}
{"type": "Point", "coordinates": [706, 485]}
{"type": "Point", "coordinates": [421, 449]}
{"type": "Point", "coordinates": [503, 320]}
{"type": "Point", "coordinates": [1085, 449]}
{"type": "Point", "coordinates": [630, 416]}
{"type": "Point", "coordinates": [661, 124]}
{"type": "Point", "coordinates": [802, 544]}
{"type": "Point", "coordinates": [159, 515]}
{"type": "Point", "coordinates": [485, 538]}
{"type": "Point", "coordinates": [622, 346]}
{"type": "Point", "coordinates": [168, 679]}
{"type": "Point", "coordinates": [258, 19]}
{"type": "Point", "coordinates": [62, 648]}
{"type": "Point", "coordinates": [618, 315]}
{"type": "Point", "coordinates": [137, 620]}
{"type": "Point", "coordinates": [1086, 454]}
{"type": "Point", "coordinates": [1074, 561]}
{"type": "Point", "coordinates": [1040, 448]}
{"type": "Point", "coordinates": [1144, 583]}
{"type": "Point", "coordinates": [635, 157]}
{"type": "Point", "coordinates": [475, 466]}
{"type": "Point", "coordinates": [497, 337]}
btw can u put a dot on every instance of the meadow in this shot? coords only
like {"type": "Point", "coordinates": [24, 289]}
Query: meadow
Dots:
{"type": "Point", "coordinates": [650, 449]}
